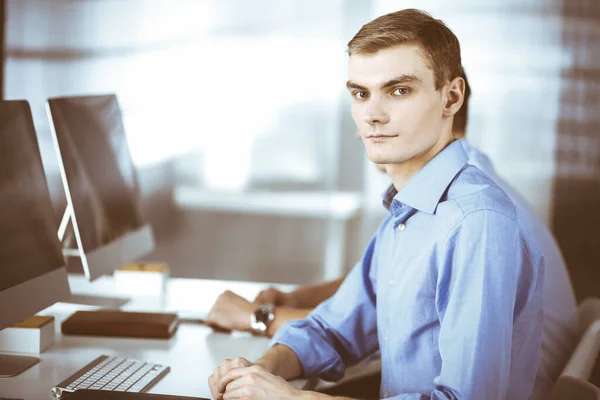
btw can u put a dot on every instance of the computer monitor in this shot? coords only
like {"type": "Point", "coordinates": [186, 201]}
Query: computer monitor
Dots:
{"type": "Point", "coordinates": [100, 182]}
{"type": "Point", "coordinates": [32, 271]}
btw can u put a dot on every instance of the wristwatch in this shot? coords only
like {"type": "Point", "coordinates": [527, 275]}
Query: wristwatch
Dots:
{"type": "Point", "coordinates": [262, 318]}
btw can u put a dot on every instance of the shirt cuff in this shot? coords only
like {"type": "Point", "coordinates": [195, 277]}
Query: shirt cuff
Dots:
{"type": "Point", "coordinates": [316, 356]}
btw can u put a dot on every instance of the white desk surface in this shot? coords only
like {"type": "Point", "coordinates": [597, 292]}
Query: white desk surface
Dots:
{"type": "Point", "coordinates": [192, 353]}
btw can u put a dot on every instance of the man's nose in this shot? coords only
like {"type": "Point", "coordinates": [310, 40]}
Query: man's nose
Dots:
{"type": "Point", "coordinates": [375, 114]}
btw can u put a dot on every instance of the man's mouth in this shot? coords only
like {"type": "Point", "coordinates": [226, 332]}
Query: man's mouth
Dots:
{"type": "Point", "coordinates": [380, 137]}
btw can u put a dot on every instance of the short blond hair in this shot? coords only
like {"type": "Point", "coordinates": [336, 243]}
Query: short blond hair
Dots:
{"type": "Point", "coordinates": [440, 45]}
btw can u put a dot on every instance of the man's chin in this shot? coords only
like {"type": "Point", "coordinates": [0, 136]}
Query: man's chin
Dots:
{"type": "Point", "coordinates": [381, 160]}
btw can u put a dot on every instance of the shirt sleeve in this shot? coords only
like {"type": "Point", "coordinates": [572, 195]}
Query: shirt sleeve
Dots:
{"type": "Point", "coordinates": [489, 303]}
{"type": "Point", "coordinates": [340, 331]}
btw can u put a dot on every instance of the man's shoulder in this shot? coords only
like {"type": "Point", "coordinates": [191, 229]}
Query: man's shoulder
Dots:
{"type": "Point", "coordinates": [475, 199]}
{"type": "Point", "coordinates": [473, 191]}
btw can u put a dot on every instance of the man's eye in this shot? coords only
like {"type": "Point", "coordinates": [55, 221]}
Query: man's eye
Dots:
{"type": "Point", "coordinates": [360, 95]}
{"type": "Point", "coordinates": [400, 92]}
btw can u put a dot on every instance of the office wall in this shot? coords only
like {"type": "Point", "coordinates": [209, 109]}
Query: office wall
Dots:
{"type": "Point", "coordinates": [235, 95]}
{"type": "Point", "coordinates": [239, 246]}
{"type": "Point", "coordinates": [576, 212]}
{"type": "Point", "coordinates": [272, 247]}
{"type": "Point", "coordinates": [266, 77]}
{"type": "Point", "coordinates": [65, 48]}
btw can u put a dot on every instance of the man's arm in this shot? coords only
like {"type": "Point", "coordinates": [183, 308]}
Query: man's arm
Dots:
{"type": "Point", "coordinates": [264, 380]}
{"type": "Point", "coordinates": [281, 361]}
{"type": "Point", "coordinates": [285, 314]}
{"type": "Point", "coordinates": [340, 331]}
{"type": "Point", "coordinates": [307, 296]}
{"type": "Point", "coordinates": [311, 296]}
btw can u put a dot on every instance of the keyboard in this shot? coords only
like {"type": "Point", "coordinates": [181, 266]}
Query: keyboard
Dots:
{"type": "Point", "coordinates": [113, 374]}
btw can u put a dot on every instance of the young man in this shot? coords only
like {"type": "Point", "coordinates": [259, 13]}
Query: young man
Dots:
{"type": "Point", "coordinates": [560, 310]}
{"type": "Point", "coordinates": [452, 296]}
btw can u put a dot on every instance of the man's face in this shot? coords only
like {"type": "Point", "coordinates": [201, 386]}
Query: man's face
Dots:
{"type": "Point", "coordinates": [397, 111]}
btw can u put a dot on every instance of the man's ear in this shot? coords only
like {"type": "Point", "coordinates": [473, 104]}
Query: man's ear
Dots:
{"type": "Point", "coordinates": [455, 95]}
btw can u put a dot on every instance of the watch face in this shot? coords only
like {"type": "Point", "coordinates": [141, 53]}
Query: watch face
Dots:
{"type": "Point", "coordinates": [262, 314]}
{"type": "Point", "coordinates": [261, 318]}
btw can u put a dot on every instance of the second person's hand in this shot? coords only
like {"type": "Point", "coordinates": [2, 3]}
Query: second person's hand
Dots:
{"type": "Point", "coordinates": [273, 296]}
{"type": "Point", "coordinates": [231, 312]}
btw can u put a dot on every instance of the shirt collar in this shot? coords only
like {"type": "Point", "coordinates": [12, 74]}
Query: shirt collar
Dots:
{"type": "Point", "coordinates": [425, 189]}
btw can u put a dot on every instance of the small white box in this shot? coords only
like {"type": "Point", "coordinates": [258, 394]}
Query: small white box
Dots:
{"type": "Point", "coordinates": [32, 335]}
{"type": "Point", "coordinates": [142, 279]}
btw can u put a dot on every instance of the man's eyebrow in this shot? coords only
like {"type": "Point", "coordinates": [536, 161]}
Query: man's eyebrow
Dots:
{"type": "Point", "coordinates": [392, 82]}
{"type": "Point", "coordinates": [399, 80]}
{"type": "Point", "coordinates": [352, 85]}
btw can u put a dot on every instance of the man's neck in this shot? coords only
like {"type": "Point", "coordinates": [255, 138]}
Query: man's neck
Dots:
{"type": "Point", "coordinates": [402, 172]}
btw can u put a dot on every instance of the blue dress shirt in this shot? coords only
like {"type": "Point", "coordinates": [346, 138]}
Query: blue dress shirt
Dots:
{"type": "Point", "coordinates": [449, 290]}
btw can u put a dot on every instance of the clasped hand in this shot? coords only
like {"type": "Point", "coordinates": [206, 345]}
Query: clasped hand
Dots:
{"type": "Point", "coordinates": [241, 379]}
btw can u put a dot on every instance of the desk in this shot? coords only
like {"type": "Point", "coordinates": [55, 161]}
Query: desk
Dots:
{"type": "Point", "coordinates": [193, 352]}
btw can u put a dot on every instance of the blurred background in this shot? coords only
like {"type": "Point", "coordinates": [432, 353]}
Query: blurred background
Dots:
{"type": "Point", "coordinates": [239, 122]}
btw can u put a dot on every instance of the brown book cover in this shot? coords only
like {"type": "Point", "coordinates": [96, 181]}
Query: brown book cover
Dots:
{"type": "Point", "coordinates": [121, 324]}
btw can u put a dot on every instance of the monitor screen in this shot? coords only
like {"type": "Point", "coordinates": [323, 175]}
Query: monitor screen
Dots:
{"type": "Point", "coordinates": [29, 246]}
{"type": "Point", "coordinates": [100, 182]}
{"type": "Point", "coordinates": [32, 273]}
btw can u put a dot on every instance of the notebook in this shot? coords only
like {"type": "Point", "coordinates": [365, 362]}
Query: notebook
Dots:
{"type": "Point", "coordinates": [121, 324]}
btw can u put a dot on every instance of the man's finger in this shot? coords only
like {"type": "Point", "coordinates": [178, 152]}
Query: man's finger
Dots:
{"type": "Point", "coordinates": [261, 296]}
{"type": "Point", "coordinates": [247, 380]}
{"type": "Point", "coordinates": [216, 327]}
{"type": "Point", "coordinates": [240, 362]}
{"type": "Point", "coordinates": [233, 374]}
{"type": "Point", "coordinates": [266, 296]}
{"type": "Point", "coordinates": [239, 393]}
{"type": "Point", "coordinates": [213, 386]}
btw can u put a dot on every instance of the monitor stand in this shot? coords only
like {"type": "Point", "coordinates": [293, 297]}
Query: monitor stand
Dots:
{"type": "Point", "coordinates": [83, 299]}
{"type": "Point", "coordinates": [12, 365]}
{"type": "Point", "coordinates": [62, 229]}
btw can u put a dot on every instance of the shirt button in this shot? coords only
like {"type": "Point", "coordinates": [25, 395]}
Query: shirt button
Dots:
{"type": "Point", "coordinates": [401, 227]}
{"type": "Point", "coordinates": [391, 281]}
{"type": "Point", "coordinates": [385, 338]}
